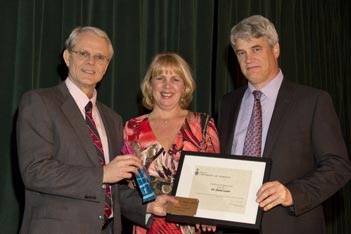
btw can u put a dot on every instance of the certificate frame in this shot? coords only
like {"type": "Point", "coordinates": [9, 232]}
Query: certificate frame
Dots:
{"type": "Point", "coordinates": [226, 187]}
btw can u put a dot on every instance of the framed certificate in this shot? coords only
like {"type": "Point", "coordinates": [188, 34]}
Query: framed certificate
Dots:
{"type": "Point", "coordinates": [218, 189]}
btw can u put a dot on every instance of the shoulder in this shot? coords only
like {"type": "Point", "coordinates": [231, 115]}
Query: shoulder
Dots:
{"type": "Point", "coordinates": [197, 116]}
{"type": "Point", "coordinates": [233, 96]}
{"type": "Point", "coordinates": [134, 127]}
{"type": "Point", "coordinates": [305, 101]}
{"type": "Point", "coordinates": [231, 101]}
{"type": "Point", "coordinates": [139, 118]}
{"type": "Point", "coordinates": [304, 92]}
{"type": "Point", "coordinates": [137, 122]}
{"type": "Point", "coordinates": [42, 92]}
{"type": "Point", "coordinates": [49, 97]}
{"type": "Point", "coordinates": [200, 119]}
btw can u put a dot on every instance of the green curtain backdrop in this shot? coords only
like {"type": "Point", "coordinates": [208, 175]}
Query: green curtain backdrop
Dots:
{"type": "Point", "coordinates": [315, 50]}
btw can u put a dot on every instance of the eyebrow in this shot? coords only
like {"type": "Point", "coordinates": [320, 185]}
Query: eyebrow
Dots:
{"type": "Point", "coordinates": [255, 46]}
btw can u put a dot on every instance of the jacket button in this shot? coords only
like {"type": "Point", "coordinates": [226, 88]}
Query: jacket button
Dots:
{"type": "Point", "coordinates": [101, 217]}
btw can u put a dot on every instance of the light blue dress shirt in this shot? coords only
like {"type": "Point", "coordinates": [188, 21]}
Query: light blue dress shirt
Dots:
{"type": "Point", "coordinates": [268, 99]}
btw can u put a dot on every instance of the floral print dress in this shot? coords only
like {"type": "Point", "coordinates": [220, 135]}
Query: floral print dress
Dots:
{"type": "Point", "coordinates": [198, 133]}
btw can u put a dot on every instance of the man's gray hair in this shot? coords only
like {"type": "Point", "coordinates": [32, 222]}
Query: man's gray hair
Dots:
{"type": "Point", "coordinates": [72, 39]}
{"type": "Point", "coordinates": [255, 26]}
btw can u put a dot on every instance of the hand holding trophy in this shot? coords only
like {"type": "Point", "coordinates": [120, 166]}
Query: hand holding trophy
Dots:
{"type": "Point", "coordinates": [142, 179]}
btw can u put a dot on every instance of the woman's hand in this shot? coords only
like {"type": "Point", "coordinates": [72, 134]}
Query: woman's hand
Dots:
{"type": "Point", "coordinates": [206, 228]}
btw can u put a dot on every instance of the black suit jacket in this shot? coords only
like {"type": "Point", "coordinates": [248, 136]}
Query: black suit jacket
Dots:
{"type": "Point", "coordinates": [308, 153]}
{"type": "Point", "coordinates": [60, 169]}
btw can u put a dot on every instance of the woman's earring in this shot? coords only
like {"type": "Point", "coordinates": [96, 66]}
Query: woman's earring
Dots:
{"type": "Point", "coordinates": [181, 101]}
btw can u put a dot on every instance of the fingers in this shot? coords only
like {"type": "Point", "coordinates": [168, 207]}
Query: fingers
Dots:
{"type": "Point", "coordinates": [121, 167]}
{"type": "Point", "coordinates": [272, 194]}
{"type": "Point", "coordinates": [205, 228]}
{"type": "Point", "coordinates": [127, 160]}
{"type": "Point", "coordinates": [208, 228]}
{"type": "Point", "coordinates": [171, 199]}
{"type": "Point", "coordinates": [159, 205]}
{"type": "Point", "coordinates": [164, 200]}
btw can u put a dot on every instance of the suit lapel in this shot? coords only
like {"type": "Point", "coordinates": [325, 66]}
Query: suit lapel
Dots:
{"type": "Point", "coordinates": [233, 116]}
{"type": "Point", "coordinates": [281, 111]}
{"type": "Point", "coordinates": [75, 118]}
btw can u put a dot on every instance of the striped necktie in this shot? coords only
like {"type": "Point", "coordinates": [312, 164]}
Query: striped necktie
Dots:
{"type": "Point", "coordinates": [100, 154]}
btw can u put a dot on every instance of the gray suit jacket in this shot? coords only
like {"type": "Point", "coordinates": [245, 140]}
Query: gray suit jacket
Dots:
{"type": "Point", "coordinates": [60, 169]}
{"type": "Point", "coordinates": [308, 154]}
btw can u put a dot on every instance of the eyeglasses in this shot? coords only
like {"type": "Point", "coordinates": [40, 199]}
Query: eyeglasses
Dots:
{"type": "Point", "coordinates": [85, 55]}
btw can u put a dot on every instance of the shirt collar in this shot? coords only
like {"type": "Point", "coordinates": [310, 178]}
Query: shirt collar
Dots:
{"type": "Point", "coordinates": [271, 89]}
{"type": "Point", "coordinates": [79, 96]}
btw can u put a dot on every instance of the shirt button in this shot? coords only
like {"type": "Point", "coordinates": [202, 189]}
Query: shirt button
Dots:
{"type": "Point", "coordinates": [103, 186]}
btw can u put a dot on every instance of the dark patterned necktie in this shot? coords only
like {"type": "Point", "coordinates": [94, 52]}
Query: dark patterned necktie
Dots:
{"type": "Point", "coordinates": [100, 154]}
{"type": "Point", "coordinates": [253, 139]}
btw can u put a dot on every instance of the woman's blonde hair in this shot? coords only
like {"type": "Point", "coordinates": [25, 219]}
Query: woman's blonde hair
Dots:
{"type": "Point", "coordinates": [160, 63]}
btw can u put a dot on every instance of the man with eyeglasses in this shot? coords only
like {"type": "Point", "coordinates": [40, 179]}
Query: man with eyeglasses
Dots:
{"type": "Point", "coordinates": [68, 144]}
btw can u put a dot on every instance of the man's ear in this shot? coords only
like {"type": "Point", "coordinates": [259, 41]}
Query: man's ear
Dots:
{"type": "Point", "coordinates": [276, 50]}
{"type": "Point", "coordinates": [66, 57]}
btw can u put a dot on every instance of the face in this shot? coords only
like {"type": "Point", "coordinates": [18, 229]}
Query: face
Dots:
{"type": "Point", "coordinates": [86, 71]}
{"type": "Point", "coordinates": [258, 60]}
{"type": "Point", "coordinates": [167, 89]}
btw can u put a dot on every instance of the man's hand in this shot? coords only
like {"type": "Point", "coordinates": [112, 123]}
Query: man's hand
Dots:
{"type": "Point", "coordinates": [121, 167]}
{"type": "Point", "coordinates": [158, 207]}
{"type": "Point", "coordinates": [272, 194]}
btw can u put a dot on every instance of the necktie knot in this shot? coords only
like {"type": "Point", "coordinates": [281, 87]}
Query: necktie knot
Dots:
{"type": "Point", "coordinates": [89, 113]}
{"type": "Point", "coordinates": [89, 107]}
{"type": "Point", "coordinates": [257, 94]}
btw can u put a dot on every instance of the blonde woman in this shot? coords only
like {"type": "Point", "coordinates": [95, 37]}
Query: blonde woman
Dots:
{"type": "Point", "coordinates": [168, 129]}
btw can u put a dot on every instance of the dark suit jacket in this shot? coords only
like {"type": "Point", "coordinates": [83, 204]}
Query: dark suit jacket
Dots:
{"type": "Point", "coordinates": [60, 169]}
{"type": "Point", "coordinates": [308, 154]}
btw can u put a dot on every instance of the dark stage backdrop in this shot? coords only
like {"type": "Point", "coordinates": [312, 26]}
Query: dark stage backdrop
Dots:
{"type": "Point", "coordinates": [315, 50]}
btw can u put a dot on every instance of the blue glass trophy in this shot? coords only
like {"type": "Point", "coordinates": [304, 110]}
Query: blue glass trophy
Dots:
{"type": "Point", "coordinates": [142, 179]}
